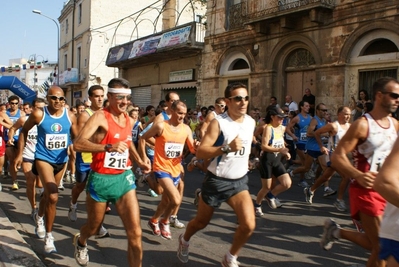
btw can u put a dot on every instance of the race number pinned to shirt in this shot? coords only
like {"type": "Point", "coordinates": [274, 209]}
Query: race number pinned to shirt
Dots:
{"type": "Point", "coordinates": [303, 137]}
{"type": "Point", "coordinates": [173, 150]}
{"type": "Point", "coordinates": [116, 160]}
{"type": "Point", "coordinates": [377, 161]}
{"type": "Point", "coordinates": [56, 141]}
{"type": "Point", "coordinates": [134, 135]}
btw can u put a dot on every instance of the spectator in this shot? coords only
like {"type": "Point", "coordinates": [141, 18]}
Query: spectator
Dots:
{"type": "Point", "coordinates": [292, 105]}
{"type": "Point", "coordinates": [311, 99]}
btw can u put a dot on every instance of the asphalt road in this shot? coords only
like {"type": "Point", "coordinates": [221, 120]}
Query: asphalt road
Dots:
{"type": "Point", "coordinates": [288, 236]}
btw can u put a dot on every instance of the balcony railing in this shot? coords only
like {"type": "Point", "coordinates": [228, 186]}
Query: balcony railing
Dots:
{"type": "Point", "coordinates": [255, 10]}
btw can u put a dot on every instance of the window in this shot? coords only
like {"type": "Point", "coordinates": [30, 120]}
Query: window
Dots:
{"type": "Point", "coordinates": [66, 26]}
{"type": "Point", "coordinates": [65, 62]}
{"type": "Point", "coordinates": [79, 57]}
{"type": "Point", "coordinates": [367, 78]}
{"type": "Point", "coordinates": [80, 13]}
{"type": "Point", "coordinates": [380, 46]}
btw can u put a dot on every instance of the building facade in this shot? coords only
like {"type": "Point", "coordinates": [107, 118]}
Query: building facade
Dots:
{"type": "Point", "coordinates": [282, 47]}
{"type": "Point", "coordinates": [169, 59]}
{"type": "Point", "coordinates": [88, 29]}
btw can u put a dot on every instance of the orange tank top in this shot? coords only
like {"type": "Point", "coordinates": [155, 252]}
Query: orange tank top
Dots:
{"type": "Point", "coordinates": [169, 149]}
{"type": "Point", "coordinates": [113, 162]}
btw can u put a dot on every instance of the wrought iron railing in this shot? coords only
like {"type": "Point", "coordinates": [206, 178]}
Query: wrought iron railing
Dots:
{"type": "Point", "coordinates": [257, 9]}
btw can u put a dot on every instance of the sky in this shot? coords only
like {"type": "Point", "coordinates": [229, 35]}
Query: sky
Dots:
{"type": "Point", "coordinates": [24, 33]}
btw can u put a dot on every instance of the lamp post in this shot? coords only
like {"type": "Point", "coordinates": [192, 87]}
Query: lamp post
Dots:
{"type": "Point", "coordinates": [58, 42]}
{"type": "Point", "coordinates": [33, 62]}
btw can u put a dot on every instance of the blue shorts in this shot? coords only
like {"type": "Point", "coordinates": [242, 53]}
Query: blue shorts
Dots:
{"type": "Point", "coordinates": [314, 154]}
{"type": "Point", "coordinates": [389, 247]}
{"type": "Point", "coordinates": [300, 146]}
{"type": "Point", "coordinates": [162, 175]}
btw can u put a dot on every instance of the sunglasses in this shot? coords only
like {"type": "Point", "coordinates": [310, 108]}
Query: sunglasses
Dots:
{"type": "Point", "coordinates": [391, 95]}
{"type": "Point", "coordinates": [324, 110]}
{"type": "Point", "coordinates": [221, 105]}
{"type": "Point", "coordinates": [121, 97]}
{"type": "Point", "coordinates": [54, 97]}
{"type": "Point", "coordinates": [195, 114]}
{"type": "Point", "coordinates": [239, 98]}
{"type": "Point", "coordinates": [14, 103]}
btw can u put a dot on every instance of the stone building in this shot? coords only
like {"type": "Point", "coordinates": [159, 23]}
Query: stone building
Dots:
{"type": "Point", "coordinates": [279, 47]}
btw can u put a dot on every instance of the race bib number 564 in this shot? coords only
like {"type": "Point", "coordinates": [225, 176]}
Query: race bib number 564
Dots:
{"type": "Point", "coordinates": [56, 141]}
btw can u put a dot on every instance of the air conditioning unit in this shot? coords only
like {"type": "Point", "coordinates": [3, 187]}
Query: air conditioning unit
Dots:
{"type": "Point", "coordinates": [82, 77]}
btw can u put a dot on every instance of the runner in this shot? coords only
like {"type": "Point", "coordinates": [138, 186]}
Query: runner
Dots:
{"type": "Point", "coordinates": [274, 152]}
{"type": "Point", "coordinates": [371, 138]}
{"type": "Point", "coordinates": [11, 150]}
{"type": "Point", "coordinates": [108, 136]}
{"type": "Point", "coordinates": [220, 105]}
{"type": "Point", "coordinates": [28, 156]}
{"type": "Point", "coordinates": [228, 141]}
{"type": "Point", "coordinates": [170, 136]}
{"type": "Point", "coordinates": [336, 131]}
{"type": "Point", "coordinates": [387, 185]}
{"type": "Point", "coordinates": [5, 123]}
{"type": "Point", "coordinates": [54, 125]}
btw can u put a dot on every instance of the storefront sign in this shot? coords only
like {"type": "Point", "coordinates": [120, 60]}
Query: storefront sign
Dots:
{"type": "Point", "coordinates": [77, 94]}
{"type": "Point", "coordinates": [181, 75]}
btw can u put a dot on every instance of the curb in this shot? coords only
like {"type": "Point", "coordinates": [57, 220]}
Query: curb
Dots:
{"type": "Point", "coordinates": [14, 251]}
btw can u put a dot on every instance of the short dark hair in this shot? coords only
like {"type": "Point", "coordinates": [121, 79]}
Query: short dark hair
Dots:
{"type": "Point", "coordinates": [178, 103]}
{"type": "Point", "coordinates": [38, 100]}
{"type": "Point", "coordinates": [380, 84]}
{"type": "Point", "coordinates": [167, 96]}
{"type": "Point", "coordinates": [27, 104]}
{"type": "Point", "coordinates": [13, 97]}
{"type": "Point", "coordinates": [231, 87]}
{"type": "Point", "coordinates": [219, 99]}
{"type": "Point", "coordinates": [93, 88]}
{"type": "Point", "coordinates": [118, 82]}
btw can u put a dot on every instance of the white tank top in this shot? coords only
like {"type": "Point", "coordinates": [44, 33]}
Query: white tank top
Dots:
{"type": "Point", "coordinates": [31, 141]}
{"type": "Point", "coordinates": [334, 140]}
{"type": "Point", "coordinates": [390, 223]}
{"type": "Point", "coordinates": [233, 165]}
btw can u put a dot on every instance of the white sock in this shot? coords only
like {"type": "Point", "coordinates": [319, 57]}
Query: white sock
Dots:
{"type": "Point", "coordinates": [230, 257]}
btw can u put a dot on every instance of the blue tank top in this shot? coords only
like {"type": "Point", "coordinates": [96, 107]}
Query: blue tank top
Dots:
{"type": "Point", "coordinates": [13, 119]}
{"type": "Point", "coordinates": [303, 125]}
{"type": "Point", "coordinates": [165, 116]}
{"type": "Point", "coordinates": [53, 137]}
{"type": "Point", "coordinates": [84, 160]}
{"type": "Point", "coordinates": [135, 133]}
{"type": "Point", "coordinates": [312, 143]}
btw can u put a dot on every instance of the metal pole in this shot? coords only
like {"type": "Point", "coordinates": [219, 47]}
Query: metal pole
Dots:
{"type": "Point", "coordinates": [58, 42]}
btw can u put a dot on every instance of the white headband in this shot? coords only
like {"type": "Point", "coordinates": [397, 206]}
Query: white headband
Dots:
{"type": "Point", "coordinates": [119, 90]}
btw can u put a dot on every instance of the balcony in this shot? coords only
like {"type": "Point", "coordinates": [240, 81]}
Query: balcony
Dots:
{"type": "Point", "coordinates": [251, 11]}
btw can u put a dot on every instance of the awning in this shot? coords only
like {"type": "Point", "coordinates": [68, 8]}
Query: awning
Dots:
{"type": "Point", "coordinates": [177, 86]}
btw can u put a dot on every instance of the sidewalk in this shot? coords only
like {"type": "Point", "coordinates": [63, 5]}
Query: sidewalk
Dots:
{"type": "Point", "coordinates": [14, 251]}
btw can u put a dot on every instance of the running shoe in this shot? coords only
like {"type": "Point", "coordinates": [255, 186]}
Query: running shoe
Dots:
{"type": "Point", "coordinates": [40, 230]}
{"type": "Point", "coordinates": [33, 214]}
{"type": "Point", "coordinates": [271, 202]}
{"type": "Point", "coordinates": [291, 173]}
{"type": "Point", "coordinates": [174, 222]}
{"type": "Point", "coordinates": [49, 246]}
{"type": "Point", "coordinates": [258, 211]}
{"type": "Point", "coordinates": [328, 238]}
{"type": "Point", "coordinates": [278, 202]}
{"type": "Point", "coordinates": [232, 263]}
{"type": "Point", "coordinates": [340, 205]}
{"type": "Point", "coordinates": [328, 191]}
{"type": "Point", "coordinates": [308, 195]}
{"type": "Point", "coordinates": [67, 177]}
{"type": "Point", "coordinates": [310, 175]}
{"type": "Point", "coordinates": [165, 231]}
{"type": "Point", "coordinates": [61, 185]}
{"type": "Point", "coordinates": [73, 179]}
{"type": "Point", "coordinates": [81, 253]}
{"type": "Point", "coordinates": [72, 213]}
{"type": "Point", "coordinates": [303, 183]}
{"type": "Point", "coordinates": [15, 186]}
{"type": "Point", "coordinates": [154, 227]}
{"type": "Point", "coordinates": [197, 196]}
{"type": "Point", "coordinates": [102, 233]}
{"type": "Point", "coordinates": [142, 180]}
{"type": "Point", "coordinates": [152, 193]}
{"type": "Point", "coordinates": [182, 250]}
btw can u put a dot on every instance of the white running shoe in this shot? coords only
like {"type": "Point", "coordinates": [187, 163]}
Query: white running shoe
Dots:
{"type": "Point", "coordinates": [40, 230]}
{"type": "Point", "coordinates": [182, 250]}
{"type": "Point", "coordinates": [72, 213]}
{"type": "Point", "coordinates": [174, 222]}
{"type": "Point", "coordinates": [49, 246]}
{"type": "Point", "coordinates": [81, 253]}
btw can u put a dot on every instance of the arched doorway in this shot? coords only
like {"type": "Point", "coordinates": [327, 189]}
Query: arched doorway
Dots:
{"type": "Point", "coordinates": [235, 68]}
{"type": "Point", "coordinates": [300, 73]}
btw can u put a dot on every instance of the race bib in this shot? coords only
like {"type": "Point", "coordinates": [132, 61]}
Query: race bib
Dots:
{"type": "Point", "coordinates": [173, 150]}
{"type": "Point", "coordinates": [134, 135]}
{"type": "Point", "coordinates": [303, 137]}
{"type": "Point", "coordinates": [376, 161]}
{"type": "Point", "coordinates": [116, 160]}
{"type": "Point", "coordinates": [278, 143]}
{"type": "Point", "coordinates": [56, 141]}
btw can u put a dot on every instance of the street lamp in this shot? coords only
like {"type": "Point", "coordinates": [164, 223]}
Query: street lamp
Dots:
{"type": "Point", "coordinates": [58, 42]}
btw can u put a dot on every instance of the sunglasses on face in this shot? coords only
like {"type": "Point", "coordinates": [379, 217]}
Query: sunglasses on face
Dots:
{"type": "Point", "coordinates": [391, 95]}
{"type": "Point", "coordinates": [239, 98]}
{"type": "Point", "coordinates": [14, 103]}
{"type": "Point", "coordinates": [221, 105]}
{"type": "Point", "coordinates": [195, 114]}
{"type": "Point", "coordinates": [54, 97]}
{"type": "Point", "coordinates": [121, 97]}
{"type": "Point", "coordinates": [324, 110]}
{"type": "Point", "coordinates": [135, 109]}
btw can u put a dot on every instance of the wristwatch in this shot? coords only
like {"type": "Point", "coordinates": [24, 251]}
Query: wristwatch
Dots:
{"type": "Point", "coordinates": [108, 147]}
{"type": "Point", "coordinates": [225, 149]}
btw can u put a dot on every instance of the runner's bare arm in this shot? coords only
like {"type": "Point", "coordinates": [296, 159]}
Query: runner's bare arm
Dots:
{"type": "Point", "coordinates": [74, 126]}
{"type": "Point", "coordinates": [205, 124]}
{"type": "Point", "coordinates": [191, 143]}
{"type": "Point", "coordinates": [14, 127]}
{"type": "Point", "coordinates": [6, 121]}
{"type": "Point", "coordinates": [155, 130]}
{"type": "Point", "coordinates": [356, 134]}
{"type": "Point", "coordinates": [312, 126]}
{"type": "Point", "coordinates": [387, 181]}
{"type": "Point", "coordinates": [328, 128]}
{"type": "Point", "coordinates": [290, 126]}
